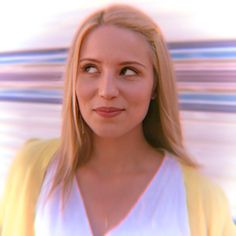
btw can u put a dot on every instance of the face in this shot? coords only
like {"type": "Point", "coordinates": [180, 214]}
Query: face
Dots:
{"type": "Point", "coordinates": [115, 81]}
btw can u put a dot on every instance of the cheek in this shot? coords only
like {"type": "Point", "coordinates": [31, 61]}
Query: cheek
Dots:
{"type": "Point", "coordinates": [84, 90]}
{"type": "Point", "coordinates": [141, 93]}
{"type": "Point", "coordinates": [83, 98]}
{"type": "Point", "coordinates": [140, 102]}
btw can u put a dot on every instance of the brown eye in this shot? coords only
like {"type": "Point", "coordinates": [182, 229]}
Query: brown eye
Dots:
{"type": "Point", "coordinates": [127, 71]}
{"type": "Point", "coordinates": [91, 69]}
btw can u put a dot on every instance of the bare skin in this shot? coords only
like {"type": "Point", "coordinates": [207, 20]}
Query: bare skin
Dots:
{"type": "Point", "coordinates": [111, 185]}
{"type": "Point", "coordinates": [115, 71]}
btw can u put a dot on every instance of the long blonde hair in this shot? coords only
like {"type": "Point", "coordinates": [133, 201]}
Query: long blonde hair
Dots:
{"type": "Point", "coordinates": [161, 126]}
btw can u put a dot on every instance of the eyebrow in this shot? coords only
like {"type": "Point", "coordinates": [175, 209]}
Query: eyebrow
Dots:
{"type": "Point", "coordinates": [122, 63]}
{"type": "Point", "coordinates": [132, 62]}
{"type": "Point", "coordinates": [89, 59]}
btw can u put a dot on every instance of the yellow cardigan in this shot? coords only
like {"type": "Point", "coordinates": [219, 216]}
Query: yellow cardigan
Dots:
{"type": "Point", "coordinates": [208, 208]}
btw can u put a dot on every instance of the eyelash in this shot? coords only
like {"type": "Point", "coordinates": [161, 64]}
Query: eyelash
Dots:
{"type": "Point", "coordinates": [87, 66]}
{"type": "Point", "coordinates": [84, 69]}
{"type": "Point", "coordinates": [129, 68]}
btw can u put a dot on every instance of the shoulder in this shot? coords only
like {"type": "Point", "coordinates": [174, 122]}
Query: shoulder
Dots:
{"type": "Point", "coordinates": [197, 182]}
{"type": "Point", "coordinates": [31, 161]}
{"type": "Point", "coordinates": [36, 148]}
{"type": "Point", "coordinates": [202, 191]}
{"type": "Point", "coordinates": [34, 153]}
{"type": "Point", "coordinates": [200, 186]}
{"type": "Point", "coordinates": [208, 206]}
{"type": "Point", "coordinates": [23, 185]}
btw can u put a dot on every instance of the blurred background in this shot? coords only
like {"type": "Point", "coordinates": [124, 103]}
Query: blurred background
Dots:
{"type": "Point", "coordinates": [201, 36]}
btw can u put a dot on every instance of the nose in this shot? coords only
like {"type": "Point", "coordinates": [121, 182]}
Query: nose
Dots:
{"type": "Point", "coordinates": [108, 86]}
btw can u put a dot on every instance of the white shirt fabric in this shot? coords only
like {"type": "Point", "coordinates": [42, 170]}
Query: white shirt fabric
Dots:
{"type": "Point", "coordinates": [161, 209]}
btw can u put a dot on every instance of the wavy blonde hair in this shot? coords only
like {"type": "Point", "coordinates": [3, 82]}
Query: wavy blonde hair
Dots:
{"type": "Point", "coordinates": [161, 126]}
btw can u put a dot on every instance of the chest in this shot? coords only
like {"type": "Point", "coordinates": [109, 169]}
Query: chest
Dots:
{"type": "Point", "coordinates": [109, 201]}
{"type": "Point", "coordinates": [160, 209]}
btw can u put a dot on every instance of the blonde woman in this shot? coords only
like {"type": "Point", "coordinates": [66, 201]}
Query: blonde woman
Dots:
{"type": "Point", "coordinates": [120, 167]}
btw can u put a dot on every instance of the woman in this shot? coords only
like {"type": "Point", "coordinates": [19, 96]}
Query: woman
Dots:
{"type": "Point", "coordinates": [120, 167]}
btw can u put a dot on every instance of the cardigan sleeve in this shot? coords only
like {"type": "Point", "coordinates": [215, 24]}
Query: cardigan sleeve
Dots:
{"type": "Point", "coordinates": [17, 206]}
{"type": "Point", "coordinates": [209, 212]}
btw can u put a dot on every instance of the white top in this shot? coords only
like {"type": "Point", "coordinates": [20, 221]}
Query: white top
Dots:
{"type": "Point", "coordinates": [160, 210]}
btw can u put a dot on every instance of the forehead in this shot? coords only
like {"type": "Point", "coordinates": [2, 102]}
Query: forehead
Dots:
{"type": "Point", "coordinates": [116, 43]}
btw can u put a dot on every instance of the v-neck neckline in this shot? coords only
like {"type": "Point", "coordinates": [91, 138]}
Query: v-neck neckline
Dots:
{"type": "Point", "coordinates": [160, 209]}
{"type": "Point", "coordinates": [154, 179]}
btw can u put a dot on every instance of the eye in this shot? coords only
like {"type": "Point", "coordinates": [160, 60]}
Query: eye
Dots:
{"type": "Point", "coordinates": [127, 71]}
{"type": "Point", "coordinates": [90, 68]}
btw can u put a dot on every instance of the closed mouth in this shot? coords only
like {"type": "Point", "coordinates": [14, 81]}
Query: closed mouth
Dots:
{"type": "Point", "coordinates": [108, 112]}
{"type": "Point", "coordinates": [109, 109]}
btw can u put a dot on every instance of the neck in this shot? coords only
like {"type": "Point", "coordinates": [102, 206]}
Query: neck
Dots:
{"type": "Point", "coordinates": [116, 155]}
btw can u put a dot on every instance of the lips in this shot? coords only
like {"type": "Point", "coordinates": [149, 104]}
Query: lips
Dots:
{"type": "Point", "coordinates": [108, 112]}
